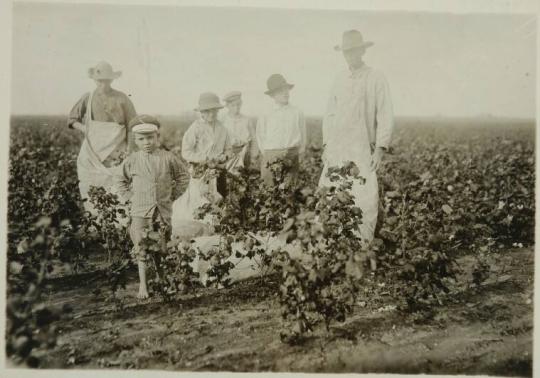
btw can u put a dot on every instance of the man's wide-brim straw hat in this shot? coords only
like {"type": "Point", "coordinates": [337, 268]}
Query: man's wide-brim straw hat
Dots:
{"type": "Point", "coordinates": [208, 101]}
{"type": "Point", "coordinates": [352, 39]}
{"type": "Point", "coordinates": [276, 82]}
{"type": "Point", "coordinates": [103, 71]}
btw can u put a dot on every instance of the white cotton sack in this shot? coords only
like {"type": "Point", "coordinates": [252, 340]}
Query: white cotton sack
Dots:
{"type": "Point", "coordinates": [243, 267]}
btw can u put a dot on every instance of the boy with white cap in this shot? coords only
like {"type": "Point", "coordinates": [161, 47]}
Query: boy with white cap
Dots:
{"type": "Point", "coordinates": [241, 131]}
{"type": "Point", "coordinates": [281, 134]}
{"type": "Point", "coordinates": [151, 179]}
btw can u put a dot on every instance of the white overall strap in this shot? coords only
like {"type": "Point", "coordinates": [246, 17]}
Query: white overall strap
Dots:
{"type": "Point", "coordinates": [88, 117]}
{"type": "Point", "coordinates": [90, 100]}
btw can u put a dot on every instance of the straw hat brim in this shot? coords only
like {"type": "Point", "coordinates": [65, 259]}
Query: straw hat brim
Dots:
{"type": "Point", "coordinates": [364, 45]}
{"type": "Point", "coordinates": [114, 75]}
{"type": "Point", "coordinates": [209, 108]}
{"type": "Point", "coordinates": [270, 91]}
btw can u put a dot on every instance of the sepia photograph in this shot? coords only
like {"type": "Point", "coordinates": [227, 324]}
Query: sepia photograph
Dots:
{"type": "Point", "coordinates": [244, 188]}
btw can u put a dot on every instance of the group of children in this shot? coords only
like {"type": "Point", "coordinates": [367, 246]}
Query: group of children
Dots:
{"type": "Point", "coordinates": [150, 177]}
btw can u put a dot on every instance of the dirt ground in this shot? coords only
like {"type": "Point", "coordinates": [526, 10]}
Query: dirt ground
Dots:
{"type": "Point", "coordinates": [236, 329]}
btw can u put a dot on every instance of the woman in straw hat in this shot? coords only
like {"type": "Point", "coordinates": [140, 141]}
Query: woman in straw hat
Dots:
{"type": "Point", "coordinates": [102, 115]}
{"type": "Point", "coordinates": [358, 127]}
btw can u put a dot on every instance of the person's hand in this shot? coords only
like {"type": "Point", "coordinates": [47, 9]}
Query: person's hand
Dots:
{"type": "Point", "coordinates": [125, 198]}
{"type": "Point", "coordinates": [79, 126]}
{"type": "Point", "coordinates": [239, 143]}
{"type": "Point", "coordinates": [323, 157]}
{"type": "Point", "coordinates": [376, 159]}
{"type": "Point", "coordinates": [237, 148]}
{"type": "Point", "coordinates": [222, 158]}
{"type": "Point", "coordinates": [196, 170]}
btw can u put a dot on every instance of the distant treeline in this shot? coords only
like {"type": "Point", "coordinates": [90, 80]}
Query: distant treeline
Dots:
{"type": "Point", "coordinates": [173, 127]}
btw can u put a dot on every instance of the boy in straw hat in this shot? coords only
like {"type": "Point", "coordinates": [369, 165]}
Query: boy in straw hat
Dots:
{"type": "Point", "coordinates": [151, 179]}
{"type": "Point", "coordinates": [358, 127]}
{"type": "Point", "coordinates": [281, 133]}
{"type": "Point", "coordinates": [206, 139]}
{"type": "Point", "coordinates": [241, 131]}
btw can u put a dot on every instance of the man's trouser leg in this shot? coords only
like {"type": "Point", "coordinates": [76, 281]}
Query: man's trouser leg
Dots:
{"type": "Point", "coordinates": [366, 197]}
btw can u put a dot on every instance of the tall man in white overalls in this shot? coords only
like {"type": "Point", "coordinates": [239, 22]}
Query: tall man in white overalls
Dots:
{"type": "Point", "coordinates": [358, 127]}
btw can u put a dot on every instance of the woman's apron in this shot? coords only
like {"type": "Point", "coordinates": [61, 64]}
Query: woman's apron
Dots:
{"type": "Point", "coordinates": [103, 142]}
{"type": "Point", "coordinates": [347, 139]}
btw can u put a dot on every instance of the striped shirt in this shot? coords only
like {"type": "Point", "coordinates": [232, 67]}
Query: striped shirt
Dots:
{"type": "Point", "coordinates": [152, 181]}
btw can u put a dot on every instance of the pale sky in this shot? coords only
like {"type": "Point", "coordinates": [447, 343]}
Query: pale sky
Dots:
{"type": "Point", "coordinates": [445, 64]}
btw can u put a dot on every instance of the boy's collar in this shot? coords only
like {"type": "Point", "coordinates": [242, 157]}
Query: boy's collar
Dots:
{"type": "Point", "coordinates": [150, 153]}
{"type": "Point", "coordinates": [357, 70]}
{"type": "Point", "coordinates": [279, 106]}
{"type": "Point", "coordinates": [204, 123]}
{"type": "Point", "coordinates": [104, 91]}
